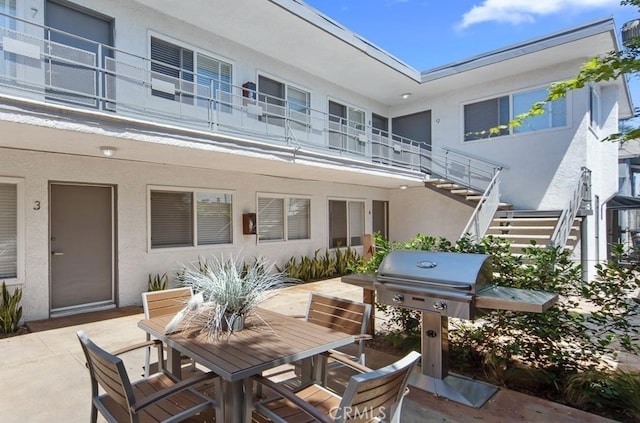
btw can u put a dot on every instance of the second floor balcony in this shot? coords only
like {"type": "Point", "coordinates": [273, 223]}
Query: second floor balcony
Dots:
{"type": "Point", "coordinates": [40, 63]}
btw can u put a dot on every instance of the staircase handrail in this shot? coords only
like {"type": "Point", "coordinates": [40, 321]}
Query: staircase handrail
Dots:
{"type": "Point", "coordinates": [565, 222]}
{"type": "Point", "coordinates": [464, 169]}
{"type": "Point", "coordinates": [482, 215]}
{"type": "Point", "coordinates": [484, 160]}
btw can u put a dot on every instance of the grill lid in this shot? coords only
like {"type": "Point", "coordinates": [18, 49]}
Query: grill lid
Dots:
{"type": "Point", "coordinates": [460, 271]}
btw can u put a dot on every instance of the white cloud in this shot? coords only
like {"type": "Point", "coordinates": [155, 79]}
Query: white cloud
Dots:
{"type": "Point", "coordinates": [519, 11]}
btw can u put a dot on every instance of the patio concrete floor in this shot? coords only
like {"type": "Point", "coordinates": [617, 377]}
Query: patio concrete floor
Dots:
{"type": "Point", "coordinates": [44, 379]}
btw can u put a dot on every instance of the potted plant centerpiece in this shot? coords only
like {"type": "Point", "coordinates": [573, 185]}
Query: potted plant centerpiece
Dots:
{"type": "Point", "coordinates": [226, 291]}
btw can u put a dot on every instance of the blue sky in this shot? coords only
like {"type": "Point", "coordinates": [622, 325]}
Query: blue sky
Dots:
{"type": "Point", "coordinates": [431, 33]}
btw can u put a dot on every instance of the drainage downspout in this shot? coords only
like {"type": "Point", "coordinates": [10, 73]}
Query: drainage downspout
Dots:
{"type": "Point", "coordinates": [584, 253]}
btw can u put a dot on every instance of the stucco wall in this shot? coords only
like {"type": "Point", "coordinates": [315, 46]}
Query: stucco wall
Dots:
{"type": "Point", "coordinates": [544, 166]}
{"type": "Point", "coordinates": [131, 180]}
{"type": "Point", "coordinates": [424, 211]}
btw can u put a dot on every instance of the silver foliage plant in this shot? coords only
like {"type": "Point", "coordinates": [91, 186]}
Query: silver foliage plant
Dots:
{"type": "Point", "coordinates": [226, 290]}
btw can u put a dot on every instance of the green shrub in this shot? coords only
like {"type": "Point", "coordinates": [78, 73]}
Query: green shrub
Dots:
{"type": "Point", "coordinates": [605, 390]}
{"type": "Point", "coordinates": [10, 310]}
{"type": "Point", "coordinates": [158, 282]}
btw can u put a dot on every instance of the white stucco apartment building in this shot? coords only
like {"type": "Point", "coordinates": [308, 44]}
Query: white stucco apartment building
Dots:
{"type": "Point", "coordinates": [136, 135]}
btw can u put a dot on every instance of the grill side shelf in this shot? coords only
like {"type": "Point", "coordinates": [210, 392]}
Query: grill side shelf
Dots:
{"type": "Point", "coordinates": [514, 299]}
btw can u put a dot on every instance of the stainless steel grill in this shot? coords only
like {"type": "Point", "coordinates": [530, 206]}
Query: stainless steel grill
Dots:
{"type": "Point", "coordinates": [443, 285]}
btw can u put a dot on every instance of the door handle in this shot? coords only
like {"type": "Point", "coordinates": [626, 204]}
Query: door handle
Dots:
{"type": "Point", "coordinates": [55, 253]}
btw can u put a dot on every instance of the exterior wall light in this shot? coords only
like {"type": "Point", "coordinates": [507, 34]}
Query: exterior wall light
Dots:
{"type": "Point", "coordinates": [108, 151]}
{"type": "Point", "coordinates": [403, 187]}
{"type": "Point", "coordinates": [405, 95]}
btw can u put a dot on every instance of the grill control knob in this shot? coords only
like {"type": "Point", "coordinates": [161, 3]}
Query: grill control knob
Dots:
{"type": "Point", "coordinates": [440, 305]}
{"type": "Point", "coordinates": [398, 298]}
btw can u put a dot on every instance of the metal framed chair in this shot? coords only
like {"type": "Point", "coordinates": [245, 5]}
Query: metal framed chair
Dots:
{"type": "Point", "coordinates": [160, 303]}
{"type": "Point", "coordinates": [157, 398]}
{"type": "Point", "coordinates": [343, 315]}
{"type": "Point", "coordinates": [375, 395]}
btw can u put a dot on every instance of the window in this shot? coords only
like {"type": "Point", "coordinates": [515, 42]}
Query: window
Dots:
{"type": "Point", "coordinates": [481, 117]}
{"type": "Point", "coordinates": [275, 213]}
{"type": "Point", "coordinates": [10, 224]}
{"type": "Point", "coordinates": [282, 100]}
{"type": "Point", "coordinates": [346, 223]}
{"type": "Point", "coordinates": [182, 218]}
{"type": "Point", "coordinates": [7, 60]}
{"type": "Point", "coordinates": [554, 116]}
{"type": "Point", "coordinates": [179, 74]}
{"type": "Point", "coordinates": [346, 128]}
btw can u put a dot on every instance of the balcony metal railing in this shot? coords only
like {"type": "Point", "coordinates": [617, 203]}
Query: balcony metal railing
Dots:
{"type": "Point", "coordinates": [482, 215]}
{"type": "Point", "coordinates": [41, 63]}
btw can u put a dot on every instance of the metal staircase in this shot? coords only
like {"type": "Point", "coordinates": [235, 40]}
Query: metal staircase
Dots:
{"type": "Point", "coordinates": [521, 227]}
{"type": "Point", "coordinates": [475, 180]}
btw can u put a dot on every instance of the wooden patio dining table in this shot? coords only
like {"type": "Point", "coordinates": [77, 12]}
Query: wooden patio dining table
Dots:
{"type": "Point", "coordinates": [269, 339]}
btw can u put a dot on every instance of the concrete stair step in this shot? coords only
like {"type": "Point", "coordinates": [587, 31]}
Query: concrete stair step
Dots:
{"type": "Point", "coordinates": [521, 228]}
{"type": "Point", "coordinates": [464, 191]}
{"type": "Point", "coordinates": [525, 219]}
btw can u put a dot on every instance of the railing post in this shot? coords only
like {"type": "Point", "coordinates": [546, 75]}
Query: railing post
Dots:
{"type": "Point", "coordinates": [369, 295]}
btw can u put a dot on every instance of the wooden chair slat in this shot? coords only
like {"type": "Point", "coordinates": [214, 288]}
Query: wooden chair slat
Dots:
{"type": "Point", "coordinates": [372, 394]}
{"type": "Point", "coordinates": [108, 372]}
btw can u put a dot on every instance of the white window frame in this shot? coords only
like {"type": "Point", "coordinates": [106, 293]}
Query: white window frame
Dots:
{"type": "Point", "coordinates": [350, 131]}
{"type": "Point", "coordinates": [196, 52]}
{"type": "Point", "coordinates": [364, 223]}
{"type": "Point", "coordinates": [194, 216]}
{"type": "Point", "coordinates": [513, 131]}
{"type": "Point", "coordinates": [285, 222]}
{"type": "Point", "coordinates": [20, 229]}
{"type": "Point", "coordinates": [298, 120]}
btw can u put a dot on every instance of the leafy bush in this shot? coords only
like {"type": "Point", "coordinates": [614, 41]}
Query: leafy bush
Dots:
{"type": "Point", "coordinates": [158, 282]}
{"type": "Point", "coordinates": [10, 310]}
{"type": "Point", "coordinates": [605, 390]}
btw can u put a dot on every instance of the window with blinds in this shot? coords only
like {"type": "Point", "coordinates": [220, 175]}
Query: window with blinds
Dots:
{"type": "Point", "coordinates": [481, 117]}
{"type": "Point", "coordinates": [346, 223]}
{"type": "Point", "coordinates": [214, 219]}
{"type": "Point", "coordinates": [554, 116]}
{"type": "Point", "coordinates": [283, 218]}
{"type": "Point", "coordinates": [8, 62]}
{"type": "Point", "coordinates": [8, 231]}
{"type": "Point", "coordinates": [298, 222]}
{"type": "Point", "coordinates": [190, 218]}
{"type": "Point", "coordinates": [270, 219]}
{"type": "Point", "coordinates": [194, 76]}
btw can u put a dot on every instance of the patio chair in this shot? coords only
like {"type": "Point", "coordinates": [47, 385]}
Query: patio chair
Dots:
{"type": "Point", "coordinates": [157, 398]}
{"type": "Point", "coordinates": [161, 303]}
{"type": "Point", "coordinates": [336, 313]}
{"type": "Point", "coordinates": [375, 395]}
{"type": "Point", "coordinates": [344, 315]}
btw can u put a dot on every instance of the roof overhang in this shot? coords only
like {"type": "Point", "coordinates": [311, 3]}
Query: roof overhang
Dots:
{"type": "Point", "coordinates": [305, 38]}
{"type": "Point", "coordinates": [300, 36]}
{"type": "Point", "coordinates": [577, 44]}
{"type": "Point", "coordinates": [621, 202]}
